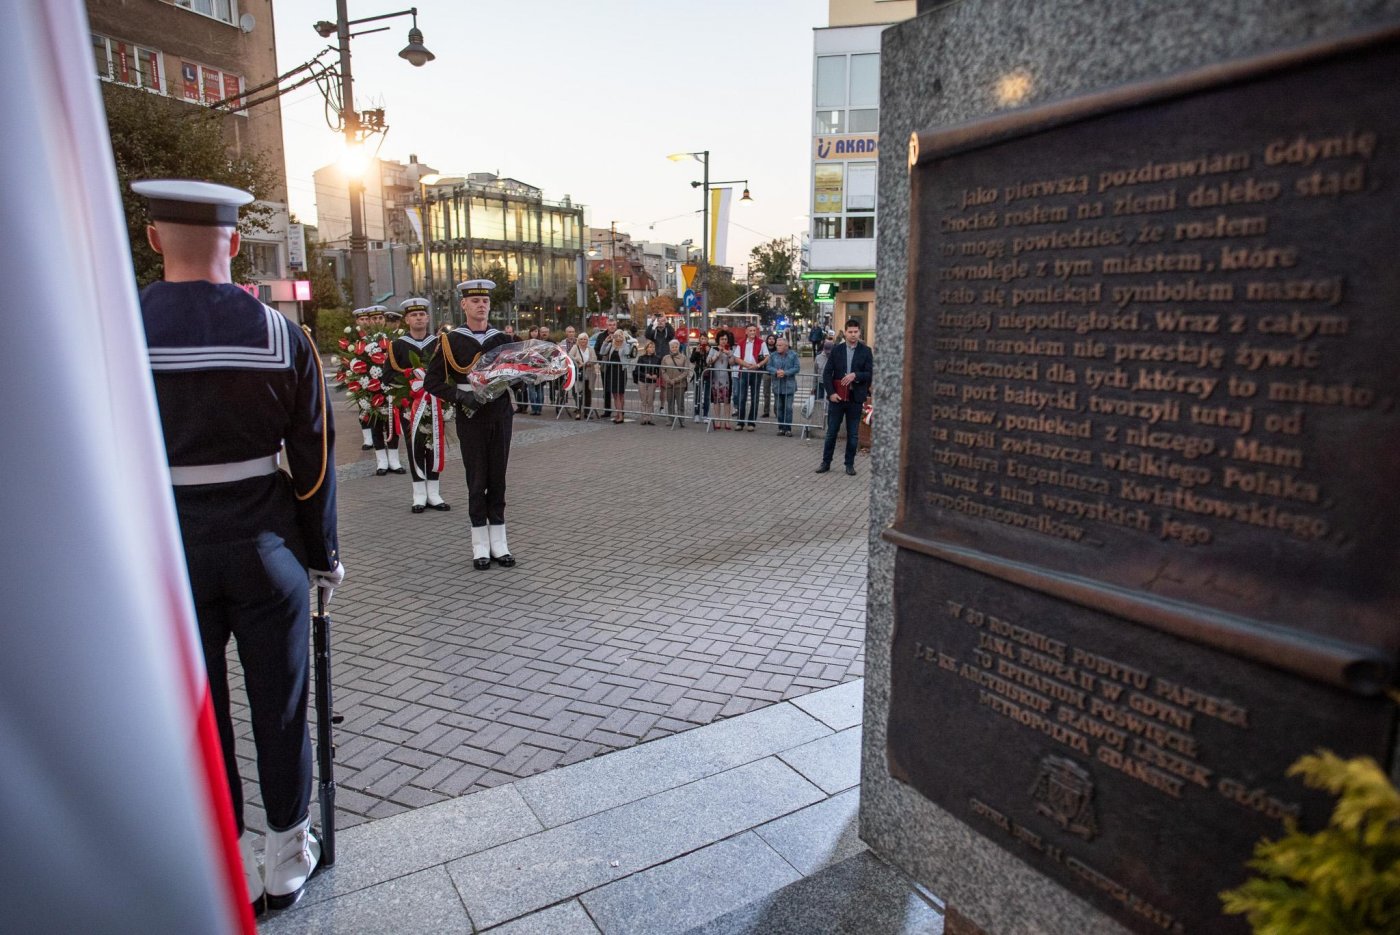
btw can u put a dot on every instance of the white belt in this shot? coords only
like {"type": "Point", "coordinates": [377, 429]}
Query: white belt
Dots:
{"type": "Point", "coordinates": [222, 473]}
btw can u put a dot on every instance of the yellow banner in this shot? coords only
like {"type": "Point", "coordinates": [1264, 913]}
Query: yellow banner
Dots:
{"type": "Point", "coordinates": [846, 146]}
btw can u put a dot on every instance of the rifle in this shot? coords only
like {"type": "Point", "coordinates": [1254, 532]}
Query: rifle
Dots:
{"type": "Point", "coordinates": [325, 719]}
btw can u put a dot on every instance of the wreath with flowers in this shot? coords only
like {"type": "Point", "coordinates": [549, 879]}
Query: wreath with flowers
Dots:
{"type": "Point", "coordinates": [363, 362]}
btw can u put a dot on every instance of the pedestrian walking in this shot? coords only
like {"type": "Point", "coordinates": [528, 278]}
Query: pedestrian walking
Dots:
{"type": "Point", "coordinates": [675, 377]}
{"type": "Point", "coordinates": [236, 383]}
{"type": "Point", "coordinates": [483, 429]}
{"type": "Point", "coordinates": [846, 383]}
{"type": "Point", "coordinates": [783, 367]}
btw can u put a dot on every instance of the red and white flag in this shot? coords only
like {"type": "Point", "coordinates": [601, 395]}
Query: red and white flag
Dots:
{"type": "Point", "coordinates": [114, 813]}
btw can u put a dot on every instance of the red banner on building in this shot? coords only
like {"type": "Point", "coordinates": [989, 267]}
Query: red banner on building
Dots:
{"type": "Point", "coordinates": [231, 92]}
{"type": "Point", "coordinates": [212, 87]}
{"type": "Point", "coordinates": [190, 73]}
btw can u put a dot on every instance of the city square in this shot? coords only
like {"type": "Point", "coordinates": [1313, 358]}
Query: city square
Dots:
{"type": "Point", "coordinates": [872, 467]}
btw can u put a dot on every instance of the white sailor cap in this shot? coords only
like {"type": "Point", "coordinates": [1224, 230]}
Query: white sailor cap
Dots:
{"type": "Point", "coordinates": [475, 287]}
{"type": "Point", "coordinates": [189, 201]}
{"type": "Point", "coordinates": [362, 313]}
{"type": "Point", "coordinates": [374, 310]}
{"type": "Point", "coordinates": [414, 304]}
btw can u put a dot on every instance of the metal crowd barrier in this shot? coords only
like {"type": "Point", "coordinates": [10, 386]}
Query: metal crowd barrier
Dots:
{"type": "Point", "coordinates": [697, 406]}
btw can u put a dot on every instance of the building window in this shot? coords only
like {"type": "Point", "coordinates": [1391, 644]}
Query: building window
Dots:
{"type": "Point", "coordinates": [831, 81]}
{"type": "Point", "coordinates": [860, 187]}
{"type": "Point", "coordinates": [265, 258]}
{"type": "Point", "coordinates": [864, 121]}
{"type": "Point", "coordinates": [225, 11]}
{"type": "Point", "coordinates": [831, 121]}
{"type": "Point", "coordinates": [128, 64]}
{"type": "Point", "coordinates": [826, 228]}
{"type": "Point", "coordinates": [860, 226]}
{"type": "Point", "coordinates": [865, 80]}
{"type": "Point", "coordinates": [201, 84]}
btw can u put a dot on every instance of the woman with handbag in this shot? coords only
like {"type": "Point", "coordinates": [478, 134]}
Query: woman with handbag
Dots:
{"type": "Point", "coordinates": [721, 361]}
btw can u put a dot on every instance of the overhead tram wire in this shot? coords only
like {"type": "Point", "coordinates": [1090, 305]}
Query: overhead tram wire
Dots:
{"type": "Point", "coordinates": [249, 92]}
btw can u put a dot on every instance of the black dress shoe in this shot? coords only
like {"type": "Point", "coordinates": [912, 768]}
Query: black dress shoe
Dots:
{"type": "Point", "coordinates": [443, 507]}
{"type": "Point", "coordinates": [398, 470]}
{"type": "Point", "coordinates": [481, 564]}
{"type": "Point", "coordinates": [380, 472]}
{"type": "Point", "coordinates": [823, 469]}
{"type": "Point", "coordinates": [418, 508]}
{"type": "Point", "coordinates": [505, 561]}
{"type": "Point", "coordinates": [850, 472]}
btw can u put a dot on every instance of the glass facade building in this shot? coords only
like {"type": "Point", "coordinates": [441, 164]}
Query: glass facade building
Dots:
{"type": "Point", "coordinates": [481, 221]}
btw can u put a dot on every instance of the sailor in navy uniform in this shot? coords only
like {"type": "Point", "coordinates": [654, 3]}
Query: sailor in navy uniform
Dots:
{"type": "Point", "coordinates": [363, 322]}
{"type": "Point", "coordinates": [483, 429]}
{"type": "Point", "coordinates": [386, 449]}
{"type": "Point", "coordinates": [421, 342]}
{"type": "Point", "coordinates": [236, 382]}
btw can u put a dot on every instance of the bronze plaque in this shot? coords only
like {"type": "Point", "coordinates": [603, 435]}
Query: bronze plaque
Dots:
{"type": "Point", "coordinates": [1150, 469]}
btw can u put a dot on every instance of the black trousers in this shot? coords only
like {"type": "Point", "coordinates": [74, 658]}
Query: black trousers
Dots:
{"type": "Point", "coordinates": [417, 447]}
{"type": "Point", "coordinates": [485, 441]}
{"type": "Point", "coordinates": [256, 592]}
{"type": "Point", "coordinates": [378, 433]}
{"type": "Point", "coordinates": [836, 413]}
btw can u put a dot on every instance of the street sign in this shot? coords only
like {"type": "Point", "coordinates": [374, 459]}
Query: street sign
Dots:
{"type": "Point", "coordinates": [826, 291]}
{"type": "Point", "coordinates": [689, 300]}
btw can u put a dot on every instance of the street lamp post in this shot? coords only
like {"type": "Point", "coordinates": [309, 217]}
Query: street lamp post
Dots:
{"type": "Point", "coordinates": [612, 265]}
{"type": "Point", "coordinates": [416, 55]}
{"type": "Point", "coordinates": [703, 157]}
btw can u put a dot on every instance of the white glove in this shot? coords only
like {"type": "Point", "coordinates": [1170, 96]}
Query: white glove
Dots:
{"type": "Point", "coordinates": [327, 581]}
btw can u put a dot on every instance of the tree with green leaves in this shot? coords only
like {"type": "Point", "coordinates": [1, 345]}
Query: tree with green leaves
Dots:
{"type": "Point", "coordinates": [159, 137]}
{"type": "Point", "coordinates": [774, 262]}
{"type": "Point", "coordinates": [327, 294]}
{"type": "Point", "coordinates": [1341, 880]}
{"type": "Point", "coordinates": [504, 293]}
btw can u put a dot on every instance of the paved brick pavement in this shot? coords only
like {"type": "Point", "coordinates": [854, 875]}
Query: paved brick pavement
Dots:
{"type": "Point", "coordinates": [666, 579]}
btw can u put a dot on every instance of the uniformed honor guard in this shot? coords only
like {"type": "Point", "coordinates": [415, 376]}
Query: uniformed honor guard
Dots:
{"type": "Point", "coordinates": [364, 322]}
{"type": "Point", "coordinates": [236, 382]}
{"type": "Point", "coordinates": [483, 429]}
{"type": "Point", "coordinates": [385, 442]}
{"type": "Point", "coordinates": [422, 460]}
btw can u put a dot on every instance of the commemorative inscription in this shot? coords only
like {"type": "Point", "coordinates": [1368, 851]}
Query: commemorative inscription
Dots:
{"type": "Point", "coordinates": [1149, 471]}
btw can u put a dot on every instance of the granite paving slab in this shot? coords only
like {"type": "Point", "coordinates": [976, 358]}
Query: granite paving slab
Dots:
{"type": "Point", "coordinates": [423, 838]}
{"type": "Point", "coordinates": [515, 878]}
{"type": "Point", "coordinates": [421, 902]}
{"type": "Point", "coordinates": [837, 708]}
{"type": "Point", "coordinates": [563, 919]}
{"type": "Point", "coordinates": [831, 762]}
{"type": "Point", "coordinates": [572, 792]}
{"type": "Point", "coordinates": [689, 890]}
{"type": "Point", "coordinates": [861, 895]}
{"type": "Point", "coordinates": [818, 835]}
